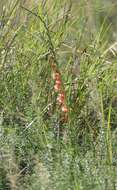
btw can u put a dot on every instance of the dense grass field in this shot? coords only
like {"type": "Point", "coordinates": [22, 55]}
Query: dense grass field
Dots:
{"type": "Point", "coordinates": [58, 95]}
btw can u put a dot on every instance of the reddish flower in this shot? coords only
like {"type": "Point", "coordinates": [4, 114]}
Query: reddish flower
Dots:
{"type": "Point", "coordinates": [64, 109]}
{"type": "Point", "coordinates": [57, 87]}
{"type": "Point", "coordinates": [58, 82]}
{"type": "Point", "coordinates": [61, 98]}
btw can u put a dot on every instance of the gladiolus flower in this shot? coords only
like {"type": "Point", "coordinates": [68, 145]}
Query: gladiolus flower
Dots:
{"type": "Point", "coordinates": [61, 98]}
{"type": "Point", "coordinates": [64, 109]}
{"type": "Point", "coordinates": [58, 82]}
{"type": "Point", "coordinates": [57, 87]}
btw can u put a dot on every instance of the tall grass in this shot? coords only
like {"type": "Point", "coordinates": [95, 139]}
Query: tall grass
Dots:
{"type": "Point", "coordinates": [41, 145]}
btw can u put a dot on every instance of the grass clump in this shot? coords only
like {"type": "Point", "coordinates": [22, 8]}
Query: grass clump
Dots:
{"type": "Point", "coordinates": [58, 133]}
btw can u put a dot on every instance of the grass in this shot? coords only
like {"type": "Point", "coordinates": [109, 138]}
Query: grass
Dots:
{"type": "Point", "coordinates": [41, 146]}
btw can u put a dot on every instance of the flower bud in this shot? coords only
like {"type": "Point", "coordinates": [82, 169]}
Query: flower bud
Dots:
{"type": "Point", "coordinates": [56, 76]}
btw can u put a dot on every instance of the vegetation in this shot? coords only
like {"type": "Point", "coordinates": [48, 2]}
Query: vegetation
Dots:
{"type": "Point", "coordinates": [58, 100]}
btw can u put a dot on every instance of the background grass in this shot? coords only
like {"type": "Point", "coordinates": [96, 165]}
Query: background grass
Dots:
{"type": "Point", "coordinates": [38, 149]}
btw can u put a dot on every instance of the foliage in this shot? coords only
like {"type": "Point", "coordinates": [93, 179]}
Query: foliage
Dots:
{"type": "Point", "coordinates": [41, 147]}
